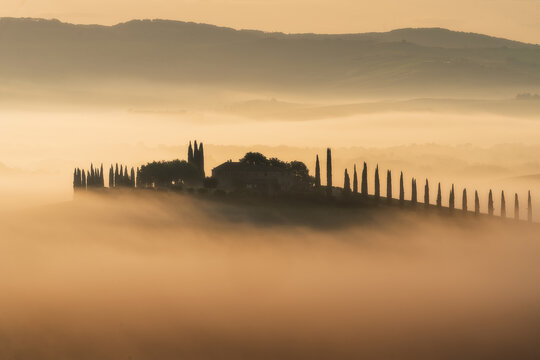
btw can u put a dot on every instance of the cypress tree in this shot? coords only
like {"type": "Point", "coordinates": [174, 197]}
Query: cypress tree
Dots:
{"type": "Point", "coordinates": [122, 178]}
{"type": "Point", "coordinates": [137, 182]}
{"type": "Point", "coordinates": [83, 183]}
{"type": "Point", "coordinates": [451, 201]}
{"type": "Point", "coordinates": [476, 203]}
{"type": "Point", "coordinates": [503, 205]}
{"type": "Point", "coordinates": [126, 176]}
{"type": "Point", "coordinates": [377, 184]}
{"type": "Point", "coordinates": [190, 154]}
{"type": "Point", "coordinates": [195, 154]}
{"type": "Point", "coordinates": [90, 180]}
{"type": "Point", "coordinates": [439, 197]}
{"type": "Point", "coordinates": [132, 177]}
{"type": "Point", "coordinates": [116, 177]}
{"type": "Point", "coordinates": [414, 197]}
{"type": "Point", "coordinates": [102, 178]}
{"type": "Point", "coordinates": [491, 208]}
{"type": "Point", "coordinates": [329, 172]}
{"type": "Point", "coordinates": [75, 184]}
{"type": "Point", "coordinates": [529, 208]}
{"type": "Point", "coordinates": [347, 183]}
{"type": "Point", "coordinates": [111, 177]}
{"type": "Point", "coordinates": [201, 160]}
{"type": "Point", "coordinates": [389, 186]}
{"type": "Point", "coordinates": [317, 173]}
{"type": "Point", "coordinates": [516, 207]}
{"type": "Point", "coordinates": [355, 181]}
{"type": "Point", "coordinates": [364, 181]}
{"type": "Point", "coordinates": [401, 190]}
{"type": "Point", "coordinates": [464, 201]}
{"type": "Point", "coordinates": [426, 194]}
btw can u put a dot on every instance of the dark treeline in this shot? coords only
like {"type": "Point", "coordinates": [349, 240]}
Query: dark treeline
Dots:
{"type": "Point", "coordinates": [177, 173]}
{"type": "Point", "coordinates": [95, 179]}
{"type": "Point", "coordinates": [414, 192]}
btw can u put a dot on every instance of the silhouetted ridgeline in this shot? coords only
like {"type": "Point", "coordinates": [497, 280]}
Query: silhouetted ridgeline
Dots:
{"type": "Point", "coordinates": [186, 53]}
{"type": "Point", "coordinates": [255, 174]}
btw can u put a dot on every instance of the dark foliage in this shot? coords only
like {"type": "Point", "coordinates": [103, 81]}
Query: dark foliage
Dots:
{"type": "Point", "coordinates": [401, 190]}
{"type": "Point", "coordinates": [516, 207]}
{"type": "Point", "coordinates": [389, 186]}
{"type": "Point", "coordinates": [364, 181]}
{"type": "Point", "coordinates": [317, 173]}
{"type": "Point", "coordinates": [426, 194]}
{"type": "Point", "coordinates": [166, 173]}
{"type": "Point", "coordinates": [476, 204]}
{"type": "Point", "coordinates": [491, 207]}
{"type": "Point", "coordinates": [377, 184]}
{"type": "Point", "coordinates": [439, 196]}
{"type": "Point", "coordinates": [355, 181]}
{"type": "Point", "coordinates": [329, 172]}
{"type": "Point", "coordinates": [503, 205]}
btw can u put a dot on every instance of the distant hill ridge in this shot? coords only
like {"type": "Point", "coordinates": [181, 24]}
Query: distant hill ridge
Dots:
{"type": "Point", "coordinates": [432, 37]}
{"type": "Point", "coordinates": [185, 53]}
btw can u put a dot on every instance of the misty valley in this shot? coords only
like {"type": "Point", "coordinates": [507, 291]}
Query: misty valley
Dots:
{"type": "Point", "coordinates": [349, 196]}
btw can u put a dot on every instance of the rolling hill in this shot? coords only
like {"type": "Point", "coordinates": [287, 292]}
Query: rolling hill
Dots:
{"type": "Point", "coordinates": [430, 61]}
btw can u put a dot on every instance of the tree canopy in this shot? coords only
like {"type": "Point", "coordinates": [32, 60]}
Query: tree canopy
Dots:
{"type": "Point", "coordinates": [164, 173]}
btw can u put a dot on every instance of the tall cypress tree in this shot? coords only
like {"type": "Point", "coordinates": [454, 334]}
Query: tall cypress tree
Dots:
{"type": "Point", "coordinates": [439, 197]}
{"type": "Point", "coordinates": [347, 183]}
{"type": "Point", "coordinates": [464, 201]}
{"type": "Point", "coordinates": [190, 154]}
{"type": "Point", "coordinates": [503, 205]}
{"type": "Point", "coordinates": [132, 183]}
{"type": "Point", "coordinates": [426, 194]}
{"type": "Point", "coordinates": [476, 203]}
{"type": "Point", "coordinates": [122, 178]}
{"type": "Point", "coordinates": [102, 177]}
{"type": "Point", "coordinates": [75, 183]}
{"type": "Point", "coordinates": [355, 181]}
{"type": "Point", "coordinates": [137, 182]}
{"type": "Point", "coordinates": [90, 181]}
{"type": "Point", "coordinates": [401, 190]}
{"type": "Point", "coordinates": [329, 172]}
{"type": "Point", "coordinates": [201, 160]}
{"type": "Point", "coordinates": [491, 207]}
{"type": "Point", "coordinates": [377, 184]}
{"type": "Point", "coordinates": [83, 183]}
{"type": "Point", "coordinates": [516, 207]}
{"type": "Point", "coordinates": [364, 181]}
{"type": "Point", "coordinates": [126, 176]}
{"type": "Point", "coordinates": [451, 201]}
{"type": "Point", "coordinates": [389, 186]}
{"type": "Point", "coordinates": [195, 153]}
{"type": "Point", "coordinates": [529, 208]}
{"type": "Point", "coordinates": [414, 197]}
{"type": "Point", "coordinates": [317, 173]}
{"type": "Point", "coordinates": [111, 177]}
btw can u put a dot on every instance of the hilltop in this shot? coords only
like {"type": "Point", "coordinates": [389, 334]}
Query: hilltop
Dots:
{"type": "Point", "coordinates": [418, 61]}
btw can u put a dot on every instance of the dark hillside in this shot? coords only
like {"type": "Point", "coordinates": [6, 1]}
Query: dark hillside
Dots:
{"type": "Point", "coordinates": [180, 53]}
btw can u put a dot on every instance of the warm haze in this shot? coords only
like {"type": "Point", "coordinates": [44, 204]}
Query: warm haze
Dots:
{"type": "Point", "coordinates": [310, 224]}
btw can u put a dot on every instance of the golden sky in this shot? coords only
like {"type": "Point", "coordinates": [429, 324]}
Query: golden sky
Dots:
{"type": "Point", "coordinates": [515, 19]}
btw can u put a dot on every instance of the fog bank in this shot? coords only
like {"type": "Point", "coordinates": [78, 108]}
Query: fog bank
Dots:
{"type": "Point", "coordinates": [166, 276]}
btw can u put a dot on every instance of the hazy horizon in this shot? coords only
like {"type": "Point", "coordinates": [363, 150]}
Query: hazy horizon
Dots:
{"type": "Point", "coordinates": [321, 16]}
{"type": "Point", "coordinates": [177, 265]}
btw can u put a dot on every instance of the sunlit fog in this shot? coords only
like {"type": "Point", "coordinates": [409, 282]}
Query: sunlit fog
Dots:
{"type": "Point", "coordinates": [175, 190]}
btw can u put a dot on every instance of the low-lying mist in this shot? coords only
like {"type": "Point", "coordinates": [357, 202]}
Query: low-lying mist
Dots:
{"type": "Point", "coordinates": [160, 276]}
